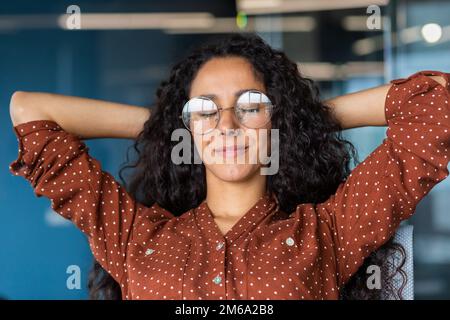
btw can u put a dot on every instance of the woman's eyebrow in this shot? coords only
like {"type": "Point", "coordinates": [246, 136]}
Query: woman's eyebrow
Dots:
{"type": "Point", "coordinates": [236, 94]}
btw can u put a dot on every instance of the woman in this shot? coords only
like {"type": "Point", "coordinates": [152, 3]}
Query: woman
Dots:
{"type": "Point", "coordinates": [227, 231]}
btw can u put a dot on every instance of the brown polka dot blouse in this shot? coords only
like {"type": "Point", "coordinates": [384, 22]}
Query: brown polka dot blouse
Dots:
{"type": "Point", "coordinates": [307, 254]}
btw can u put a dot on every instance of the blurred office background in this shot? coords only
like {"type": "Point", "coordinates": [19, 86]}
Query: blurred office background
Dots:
{"type": "Point", "coordinates": [123, 59]}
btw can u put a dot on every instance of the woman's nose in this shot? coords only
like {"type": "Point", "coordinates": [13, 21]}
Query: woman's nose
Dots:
{"type": "Point", "coordinates": [228, 120]}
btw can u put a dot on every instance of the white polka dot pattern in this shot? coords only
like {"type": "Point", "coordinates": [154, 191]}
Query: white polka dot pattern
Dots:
{"type": "Point", "coordinates": [59, 167]}
{"type": "Point", "coordinates": [386, 188]}
{"type": "Point", "coordinates": [268, 254]}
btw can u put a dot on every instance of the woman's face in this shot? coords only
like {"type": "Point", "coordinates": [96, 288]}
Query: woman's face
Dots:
{"type": "Point", "coordinates": [231, 151]}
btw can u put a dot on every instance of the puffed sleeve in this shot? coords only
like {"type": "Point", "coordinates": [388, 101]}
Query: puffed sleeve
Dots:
{"type": "Point", "coordinates": [59, 167]}
{"type": "Point", "coordinates": [386, 187]}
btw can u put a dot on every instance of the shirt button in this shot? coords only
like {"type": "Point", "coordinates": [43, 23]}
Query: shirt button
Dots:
{"type": "Point", "coordinates": [290, 241]}
{"type": "Point", "coordinates": [217, 279]}
{"type": "Point", "coordinates": [149, 252]}
{"type": "Point", "coordinates": [219, 246]}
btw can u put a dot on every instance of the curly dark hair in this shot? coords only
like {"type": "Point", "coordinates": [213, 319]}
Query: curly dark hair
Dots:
{"type": "Point", "coordinates": [314, 157]}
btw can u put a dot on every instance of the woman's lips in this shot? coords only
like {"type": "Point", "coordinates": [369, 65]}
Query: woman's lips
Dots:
{"type": "Point", "coordinates": [231, 150]}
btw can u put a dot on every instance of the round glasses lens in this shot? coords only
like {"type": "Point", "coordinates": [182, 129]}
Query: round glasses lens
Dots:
{"type": "Point", "coordinates": [254, 109]}
{"type": "Point", "coordinates": [200, 115]}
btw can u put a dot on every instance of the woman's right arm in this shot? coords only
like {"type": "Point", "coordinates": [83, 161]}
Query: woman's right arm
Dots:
{"type": "Point", "coordinates": [56, 162]}
{"type": "Point", "coordinates": [86, 118]}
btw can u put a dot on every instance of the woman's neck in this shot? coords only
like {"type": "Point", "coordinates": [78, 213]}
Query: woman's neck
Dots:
{"type": "Point", "coordinates": [233, 199]}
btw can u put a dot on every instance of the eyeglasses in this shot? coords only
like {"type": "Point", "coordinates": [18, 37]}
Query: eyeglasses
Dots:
{"type": "Point", "coordinates": [201, 115]}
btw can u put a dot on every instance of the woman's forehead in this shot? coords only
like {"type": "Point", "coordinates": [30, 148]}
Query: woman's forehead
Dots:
{"type": "Point", "coordinates": [224, 77]}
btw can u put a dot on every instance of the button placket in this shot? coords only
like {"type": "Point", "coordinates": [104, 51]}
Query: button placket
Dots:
{"type": "Point", "coordinates": [218, 284]}
{"type": "Point", "coordinates": [220, 247]}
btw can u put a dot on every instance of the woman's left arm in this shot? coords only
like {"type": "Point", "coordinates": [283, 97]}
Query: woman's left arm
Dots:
{"type": "Point", "coordinates": [386, 187]}
{"type": "Point", "coordinates": [365, 107]}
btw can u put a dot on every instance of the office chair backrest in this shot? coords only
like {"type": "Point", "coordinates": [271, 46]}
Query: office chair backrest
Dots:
{"type": "Point", "coordinates": [403, 236]}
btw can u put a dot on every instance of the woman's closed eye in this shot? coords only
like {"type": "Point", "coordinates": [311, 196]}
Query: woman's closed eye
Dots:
{"type": "Point", "coordinates": [249, 109]}
{"type": "Point", "coordinates": [208, 114]}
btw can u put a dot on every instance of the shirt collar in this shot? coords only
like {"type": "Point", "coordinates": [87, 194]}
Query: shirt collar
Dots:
{"type": "Point", "coordinates": [264, 207]}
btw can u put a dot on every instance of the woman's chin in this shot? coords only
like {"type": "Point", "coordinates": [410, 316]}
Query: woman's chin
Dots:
{"type": "Point", "coordinates": [233, 172]}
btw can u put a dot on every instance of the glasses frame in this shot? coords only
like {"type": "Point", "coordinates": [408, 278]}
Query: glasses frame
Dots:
{"type": "Point", "coordinates": [220, 109]}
